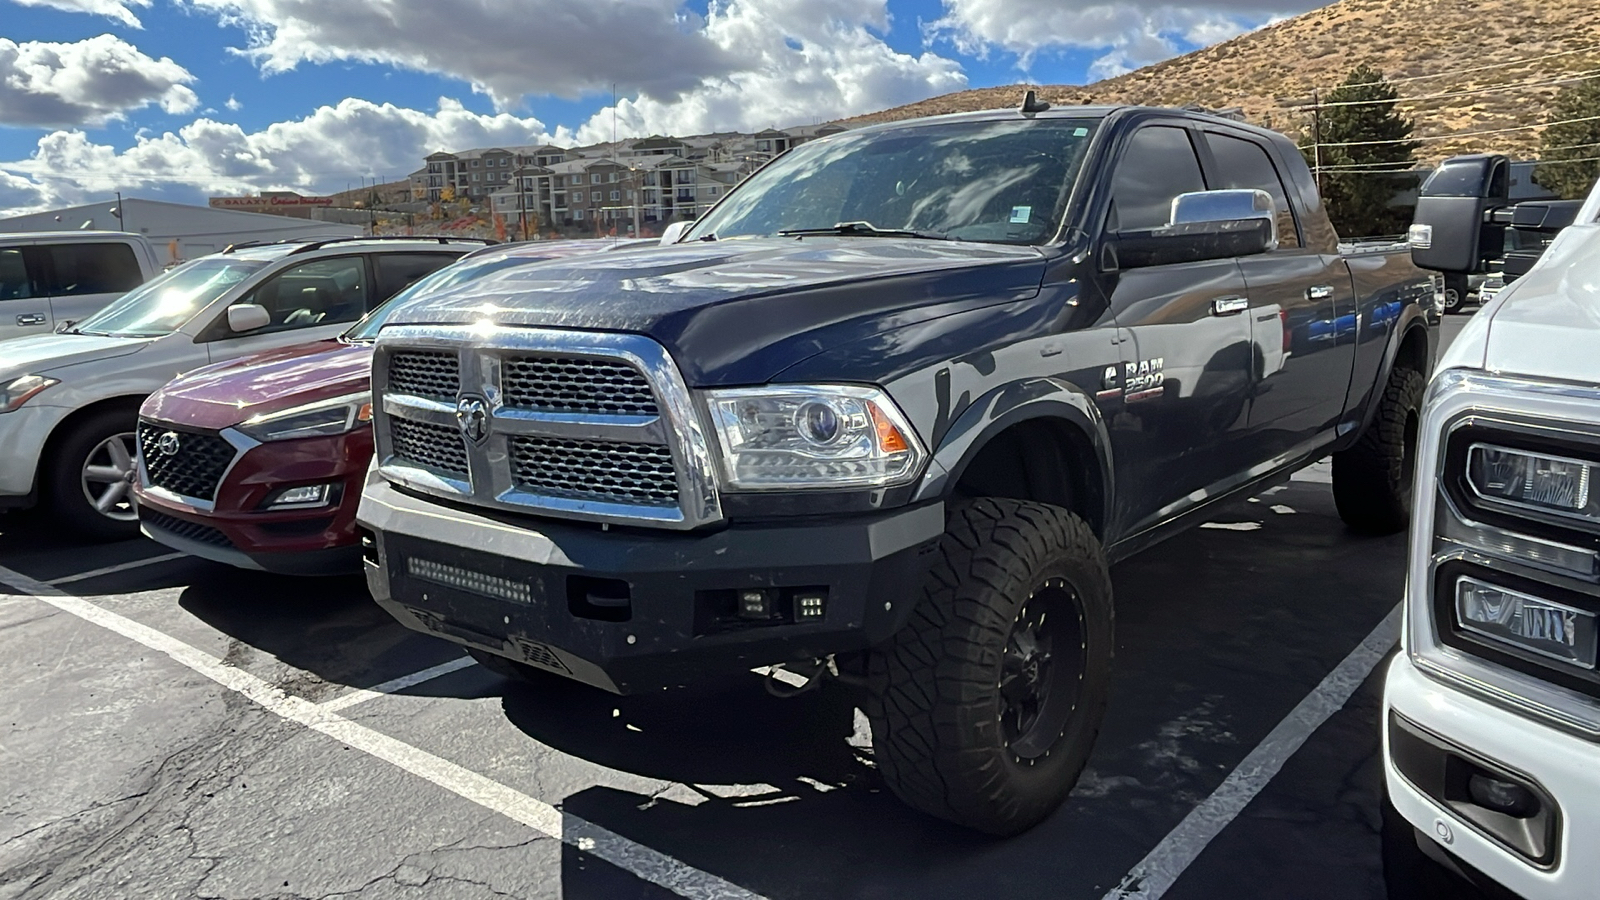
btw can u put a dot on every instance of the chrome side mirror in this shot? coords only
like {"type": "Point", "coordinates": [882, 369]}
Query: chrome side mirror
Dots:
{"type": "Point", "coordinates": [1227, 206]}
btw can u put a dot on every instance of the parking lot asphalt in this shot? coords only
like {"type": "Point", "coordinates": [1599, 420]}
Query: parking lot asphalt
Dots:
{"type": "Point", "coordinates": [175, 728]}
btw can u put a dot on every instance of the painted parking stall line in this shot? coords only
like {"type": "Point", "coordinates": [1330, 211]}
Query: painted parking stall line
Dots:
{"type": "Point", "coordinates": [120, 567]}
{"type": "Point", "coordinates": [633, 858]}
{"type": "Point", "coordinates": [1159, 870]}
{"type": "Point", "coordinates": [362, 695]}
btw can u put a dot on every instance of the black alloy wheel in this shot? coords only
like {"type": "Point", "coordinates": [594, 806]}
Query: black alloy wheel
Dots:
{"type": "Point", "coordinates": [1042, 671]}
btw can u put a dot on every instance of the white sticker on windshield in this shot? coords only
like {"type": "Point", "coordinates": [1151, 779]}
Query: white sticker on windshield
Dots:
{"type": "Point", "coordinates": [1079, 132]}
{"type": "Point", "coordinates": [1021, 214]}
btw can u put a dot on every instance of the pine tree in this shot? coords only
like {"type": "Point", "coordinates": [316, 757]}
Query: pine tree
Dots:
{"type": "Point", "coordinates": [1362, 138]}
{"type": "Point", "coordinates": [1576, 142]}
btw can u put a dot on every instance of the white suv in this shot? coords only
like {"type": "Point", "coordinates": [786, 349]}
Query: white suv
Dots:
{"type": "Point", "coordinates": [69, 401]}
{"type": "Point", "coordinates": [1491, 714]}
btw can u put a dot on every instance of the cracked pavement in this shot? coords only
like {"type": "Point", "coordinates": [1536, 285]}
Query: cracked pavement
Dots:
{"type": "Point", "coordinates": [129, 775]}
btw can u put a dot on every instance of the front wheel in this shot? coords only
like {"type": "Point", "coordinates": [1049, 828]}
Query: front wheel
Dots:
{"type": "Point", "coordinates": [986, 704]}
{"type": "Point", "coordinates": [1372, 481]}
{"type": "Point", "coordinates": [89, 482]}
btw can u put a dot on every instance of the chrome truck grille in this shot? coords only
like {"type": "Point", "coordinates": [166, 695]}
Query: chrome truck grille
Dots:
{"type": "Point", "coordinates": [580, 425]}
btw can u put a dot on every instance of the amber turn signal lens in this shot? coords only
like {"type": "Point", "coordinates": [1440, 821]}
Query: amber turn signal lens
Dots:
{"type": "Point", "coordinates": [890, 440]}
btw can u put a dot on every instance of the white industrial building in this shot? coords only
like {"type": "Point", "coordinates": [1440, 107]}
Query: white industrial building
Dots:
{"type": "Point", "coordinates": [176, 230]}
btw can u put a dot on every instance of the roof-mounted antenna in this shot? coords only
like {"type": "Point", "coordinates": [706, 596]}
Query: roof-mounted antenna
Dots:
{"type": "Point", "coordinates": [1032, 104]}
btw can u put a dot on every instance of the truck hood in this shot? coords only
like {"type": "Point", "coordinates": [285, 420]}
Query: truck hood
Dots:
{"type": "Point", "coordinates": [1546, 324]}
{"type": "Point", "coordinates": [44, 353]}
{"type": "Point", "coordinates": [739, 311]}
{"type": "Point", "coordinates": [228, 393]}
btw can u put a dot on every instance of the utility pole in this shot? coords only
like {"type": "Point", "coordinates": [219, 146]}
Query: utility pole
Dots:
{"type": "Point", "coordinates": [1316, 136]}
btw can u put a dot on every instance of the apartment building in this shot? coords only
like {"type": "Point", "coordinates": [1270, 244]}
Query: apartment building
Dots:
{"type": "Point", "coordinates": [475, 174]}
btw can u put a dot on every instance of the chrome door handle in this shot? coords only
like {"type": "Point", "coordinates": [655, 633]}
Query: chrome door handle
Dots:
{"type": "Point", "coordinates": [1227, 306]}
{"type": "Point", "coordinates": [31, 319]}
{"type": "Point", "coordinates": [1319, 292]}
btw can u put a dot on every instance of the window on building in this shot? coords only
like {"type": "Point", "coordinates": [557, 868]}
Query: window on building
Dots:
{"type": "Point", "coordinates": [577, 215]}
{"type": "Point", "coordinates": [474, 176]}
{"type": "Point", "coordinates": [594, 196]}
{"type": "Point", "coordinates": [475, 163]}
{"type": "Point", "coordinates": [594, 178]}
{"type": "Point", "coordinates": [612, 177]}
{"type": "Point", "coordinates": [616, 195]}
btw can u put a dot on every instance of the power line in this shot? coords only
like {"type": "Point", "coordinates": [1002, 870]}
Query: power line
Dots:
{"type": "Point", "coordinates": [1460, 134]}
{"type": "Point", "coordinates": [1504, 65]}
{"type": "Point", "coordinates": [1569, 79]}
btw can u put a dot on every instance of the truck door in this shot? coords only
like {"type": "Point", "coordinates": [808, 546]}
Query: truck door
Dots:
{"type": "Point", "coordinates": [1185, 353]}
{"type": "Point", "coordinates": [1302, 314]}
{"type": "Point", "coordinates": [24, 297]}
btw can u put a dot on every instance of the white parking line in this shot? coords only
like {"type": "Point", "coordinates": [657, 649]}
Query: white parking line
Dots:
{"type": "Point", "coordinates": [120, 567]}
{"type": "Point", "coordinates": [636, 859]}
{"type": "Point", "coordinates": [1160, 868]}
{"type": "Point", "coordinates": [362, 695]}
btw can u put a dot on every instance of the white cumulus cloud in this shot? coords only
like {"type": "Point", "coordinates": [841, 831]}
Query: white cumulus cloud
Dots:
{"type": "Point", "coordinates": [121, 10]}
{"type": "Point", "coordinates": [805, 60]}
{"type": "Point", "coordinates": [504, 48]}
{"type": "Point", "coordinates": [322, 152]}
{"type": "Point", "coordinates": [86, 83]}
{"type": "Point", "coordinates": [1128, 33]}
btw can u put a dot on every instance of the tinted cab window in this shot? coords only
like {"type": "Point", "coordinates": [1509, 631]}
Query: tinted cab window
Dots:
{"type": "Point", "coordinates": [1243, 164]}
{"type": "Point", "coordinates": [1158, 165]}
{"type": "Point", "coordinates": [93, 269]}
{"type": "Point", "coordinates": [16, 282]}
{"type": "Point", "coordinates": [398, 271]}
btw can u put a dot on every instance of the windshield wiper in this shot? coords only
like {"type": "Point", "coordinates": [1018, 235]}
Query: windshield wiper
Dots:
{"type": "Point", "coordinates": [865, 229]}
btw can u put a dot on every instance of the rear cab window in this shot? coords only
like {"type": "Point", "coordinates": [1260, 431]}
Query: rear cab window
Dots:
{"type": "Point", "coordinates": [1244, 164]}
{"type": "Point", "coordinates": [17, 280]}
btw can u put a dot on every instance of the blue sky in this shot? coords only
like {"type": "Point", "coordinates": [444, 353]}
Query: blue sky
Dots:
{"type": "Point", "coordinates": [179, 99]}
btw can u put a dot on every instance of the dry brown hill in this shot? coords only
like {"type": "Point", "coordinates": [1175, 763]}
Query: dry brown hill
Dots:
{"type": "Point", "coordinates": [1470, 45]}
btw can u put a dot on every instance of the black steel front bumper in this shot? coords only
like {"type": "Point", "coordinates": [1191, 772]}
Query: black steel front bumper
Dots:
{"type": "Point", "coordinates": [633, 610]}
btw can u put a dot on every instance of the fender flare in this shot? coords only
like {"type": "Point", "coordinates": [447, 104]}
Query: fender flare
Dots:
{"type": "Point", "coordinates": [1414, 319]}
{"type": "Point", "coordinates": [1008, 405]}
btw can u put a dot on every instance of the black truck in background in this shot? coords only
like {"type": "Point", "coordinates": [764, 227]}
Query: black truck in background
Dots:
{"type": "Point", "coordinates": [888, 412]}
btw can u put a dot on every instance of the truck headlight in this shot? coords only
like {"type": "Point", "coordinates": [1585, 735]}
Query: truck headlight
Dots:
{"type": "Point", "coordinates": [1522, 478]}
{"type": "Point", "coordinates": [21, 390]}
{"type": "Point", "coordinates": [813, 436]}
{"type": "Point", "coordinates": [335, 415]}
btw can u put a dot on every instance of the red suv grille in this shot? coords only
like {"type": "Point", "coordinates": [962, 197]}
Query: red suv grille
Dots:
{"type": "Point", "coordinates": [193, 468]}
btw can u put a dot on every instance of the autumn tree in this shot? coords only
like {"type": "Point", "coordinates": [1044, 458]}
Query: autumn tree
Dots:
{"type": "Point", "coordinates": [1569, 158]}
{"type": "Point", "coordinates": [1366, 153]}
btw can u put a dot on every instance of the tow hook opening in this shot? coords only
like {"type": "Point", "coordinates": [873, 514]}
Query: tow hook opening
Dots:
{"type": "Point", "coordinates": [786, 680]}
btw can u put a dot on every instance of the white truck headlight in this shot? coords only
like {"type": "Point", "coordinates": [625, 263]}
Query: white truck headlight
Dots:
{"type": "Point", "coordinates": [335, 415]}
{"type": "Point", "coordinates": [21, 390]}
{"type": "Point", "coordinates": [1553, 484]}
{"type": "Point", "coordinates": [813, 436]}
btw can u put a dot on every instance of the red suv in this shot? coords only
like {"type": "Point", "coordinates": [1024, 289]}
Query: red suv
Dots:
{"type": "Point", "coordinates": [258, 463]}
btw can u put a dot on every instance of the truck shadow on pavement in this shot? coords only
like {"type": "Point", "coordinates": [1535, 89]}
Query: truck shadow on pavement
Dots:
{"type": "Point", "coordinates": [1221, 632]}
{"type": "Point", "coordinates": [329, 627]}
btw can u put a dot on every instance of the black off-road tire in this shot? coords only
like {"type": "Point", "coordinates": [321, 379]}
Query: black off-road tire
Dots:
{"type": "Point", "coordinates": [935, 698]}
{"type": "Point", "coordinates": [516, 671]}
{"type": "Point", "coordinates": [1373, 480]}
{"type": "Point", "coordinates": [62, 484]}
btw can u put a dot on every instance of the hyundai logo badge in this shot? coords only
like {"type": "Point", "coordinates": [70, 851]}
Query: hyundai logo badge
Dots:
{"type": "Point", "coordinates": [472, 413]}
{"type": "Point", "coordinates": [168, 444]}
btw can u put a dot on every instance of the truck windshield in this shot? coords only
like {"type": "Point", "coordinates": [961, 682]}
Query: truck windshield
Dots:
{"type": "Point", "coordinates": [162, 305]}
{"type": "Point", "coordinates": [998, 182]}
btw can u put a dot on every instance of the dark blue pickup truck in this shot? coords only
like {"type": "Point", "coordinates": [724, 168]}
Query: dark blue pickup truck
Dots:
{"type": "Point", "coordinates": [887, 413]}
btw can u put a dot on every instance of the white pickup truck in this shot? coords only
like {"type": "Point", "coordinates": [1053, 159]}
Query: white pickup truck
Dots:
{"type": "Point", "coordinates": [1491, 714]}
